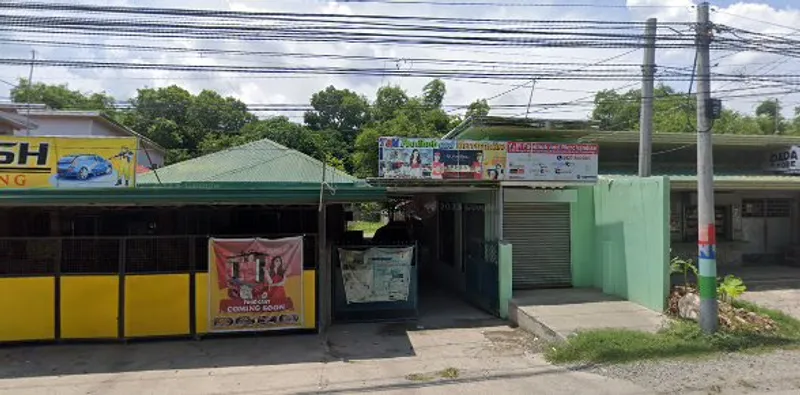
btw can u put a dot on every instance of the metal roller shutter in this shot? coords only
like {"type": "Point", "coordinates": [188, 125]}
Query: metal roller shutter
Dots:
{"type": "Point", "coordinates": [540, 238]}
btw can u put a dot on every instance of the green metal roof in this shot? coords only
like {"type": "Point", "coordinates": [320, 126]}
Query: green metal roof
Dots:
{"type": "Point", "coordinates": [262, 161]}
{"type": "Point", "coordinates": [515, 129]}
{"type": "Point", "coordinates": [273, 193]}
{"type": "Point", "coordinates": [737, 182]}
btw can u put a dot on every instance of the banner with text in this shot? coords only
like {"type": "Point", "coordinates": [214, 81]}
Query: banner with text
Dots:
{"type": "Point", "coordinates": [376, 274]}
{"type": "Point", "coordinates": [65, 162]}
{"type": "Point", "coordinates": [255, 284]}
{"type": "Point", "coordinates": [429, 158]}
{"type": "Point", "coordinates": [785, 161]}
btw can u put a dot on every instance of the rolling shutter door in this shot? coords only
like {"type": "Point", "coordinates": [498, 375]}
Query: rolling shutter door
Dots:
{"type": "Point", "coordinates": [540, 239]}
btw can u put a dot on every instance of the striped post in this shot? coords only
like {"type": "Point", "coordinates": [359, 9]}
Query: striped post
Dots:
{"type": "Point", "coordinates": [707, 279]}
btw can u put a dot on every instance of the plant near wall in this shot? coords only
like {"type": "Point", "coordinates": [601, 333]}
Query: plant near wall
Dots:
{"type": "Point", "coordinates": [679, 265]}
{"type": "Point", "coordinates": [731, 288]}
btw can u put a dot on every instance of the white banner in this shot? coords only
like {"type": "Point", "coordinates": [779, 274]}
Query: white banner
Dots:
{"type": "Point", "coordinates": [786, 161]}
{"type": "Point", "coordinates": [376, 274]}
{"type": "Point", "coordinates": [552, 162]}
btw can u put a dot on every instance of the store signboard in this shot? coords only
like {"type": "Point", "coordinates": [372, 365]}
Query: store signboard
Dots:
{"type": "Point", "coordinates": [255, 284]}
{"type": "Point", "coordinates": [415, 158]}
{"type": "Point", "coordinates": [65, 162]}
{"type": "Point", "coordinates": [785, 161]}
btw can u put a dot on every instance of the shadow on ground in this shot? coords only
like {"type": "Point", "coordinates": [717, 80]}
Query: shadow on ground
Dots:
{"type": "Point", "coordinates": [342, 342]}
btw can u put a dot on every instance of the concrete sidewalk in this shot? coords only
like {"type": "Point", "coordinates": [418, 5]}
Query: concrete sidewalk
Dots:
{"type": "Point", "coordinates": [370, 358]}
{"type": "Point", "coordinates": [554, 314]}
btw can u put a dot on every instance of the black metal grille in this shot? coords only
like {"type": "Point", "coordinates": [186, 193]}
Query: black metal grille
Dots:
{"type": "Point", "coordinates": [89, 255]}
{"type": "Point", "coordinates": [157, 255]}
{"type": "Point", "coordinates": [26, 257]}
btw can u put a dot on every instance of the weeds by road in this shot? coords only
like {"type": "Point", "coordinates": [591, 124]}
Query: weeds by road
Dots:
{"type": "Point", "coordinates": [680, 339]}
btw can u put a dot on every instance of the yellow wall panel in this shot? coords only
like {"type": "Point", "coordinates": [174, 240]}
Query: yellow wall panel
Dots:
{"type": "Point", "coordinates": [27, 309]}
{"type": "Point", "coordinates": [89, 307]}
{"type": "Point", "coordinates": [156, 305]}
{"type": "Point", "coordinates": [201, 302]}
{"type": "Point", "coordinates": [309, 299]}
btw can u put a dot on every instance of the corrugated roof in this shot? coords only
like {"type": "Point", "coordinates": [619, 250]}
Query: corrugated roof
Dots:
{"type": "Point", "coordinates": [727, 181]}
{"type": "Point", "coordinates": [263, 161]}
{"type": "Point", "coordinates": [517, 129]}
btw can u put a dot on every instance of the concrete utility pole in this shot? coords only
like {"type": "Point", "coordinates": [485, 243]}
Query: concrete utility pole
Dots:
{"type": "Point", "coordinates": [646, 116]}
{"type": "Point", "coordinates": [706, 235]}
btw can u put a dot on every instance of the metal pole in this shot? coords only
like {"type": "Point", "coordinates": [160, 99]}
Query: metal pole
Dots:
{"type": "Point", "coordinates": [706, 240]}
{"type": "Point", "coordinates": [646, 116]}
{"type": "Point", "coordinates": [30, 93]}
{"type": "Point", "coordinates": [530, 99]}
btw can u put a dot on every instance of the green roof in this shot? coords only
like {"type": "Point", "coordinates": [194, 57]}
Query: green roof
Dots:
{"type": "Point", "coordinates": [258, 162]}
{"type": "Point", "coordinates": [730, 182]}
{"type": "Point", "coordinates": [516, 129]}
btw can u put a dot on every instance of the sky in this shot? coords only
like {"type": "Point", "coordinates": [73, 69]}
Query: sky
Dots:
{"type": "Point", "coordinates": [767, 16]}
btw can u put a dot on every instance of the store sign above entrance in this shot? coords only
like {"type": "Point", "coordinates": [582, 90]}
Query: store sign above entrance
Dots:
{"type": "Point", "coordinates": [63, 162]}
{"type": "Point", "coordinates": [422, 158]}
{"type": "Point", "coordinates": [786, 161]}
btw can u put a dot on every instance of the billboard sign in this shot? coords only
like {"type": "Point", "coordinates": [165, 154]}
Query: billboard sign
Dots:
{"type": "Point", "coordinates": [63, 162]}
{"type": "Point", "coordinates": [255, 284]}
{"type": "Point", "coordinates": [415, 158]}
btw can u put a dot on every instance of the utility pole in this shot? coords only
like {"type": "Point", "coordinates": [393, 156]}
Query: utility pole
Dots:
{"type": "Point", "coordinates": [706, 235]}
{"type": "Point", "coordinates": [646, 116]}
{"type": "Point", "coordinates": [30, 93]}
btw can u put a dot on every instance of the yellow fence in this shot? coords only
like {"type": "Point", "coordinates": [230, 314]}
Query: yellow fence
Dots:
{"type": "Point", "coordinates": [154, 305]}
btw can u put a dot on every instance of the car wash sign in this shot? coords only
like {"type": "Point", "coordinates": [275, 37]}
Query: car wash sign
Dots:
{"type": "Point", "coordinates": [62, 162]}
{"type": "Point", "coordinates": [785, 161]}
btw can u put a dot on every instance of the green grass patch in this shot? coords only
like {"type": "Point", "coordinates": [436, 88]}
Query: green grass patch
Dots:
{"type": "Point", "coordinates": [681, 339]}
{"type": "Point", "coordinates": [368, 228]}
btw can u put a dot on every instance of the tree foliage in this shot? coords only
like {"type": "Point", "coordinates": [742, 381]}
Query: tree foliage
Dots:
{"type": "Point", "coordinates": [60, 97]}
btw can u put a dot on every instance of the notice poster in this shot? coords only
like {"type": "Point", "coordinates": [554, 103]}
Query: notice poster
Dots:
{"type": "Point", "coordinates": [406, 157]}
{"type": "Point", "coordinates": [491, 157]}
{"type": "Point", "coordinates": [377, 274]}
{"type": "Point", "coordinates": [255, 284]}
{"type": "Point", "coordinates": [552, 162]}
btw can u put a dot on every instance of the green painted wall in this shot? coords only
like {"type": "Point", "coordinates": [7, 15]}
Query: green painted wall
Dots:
{"type": "Point", "coordinates": [505, 277]}
{"type": "Point", "coordinates": [631, 227]}
{"type": "Point", "coordinates": [583, 238]}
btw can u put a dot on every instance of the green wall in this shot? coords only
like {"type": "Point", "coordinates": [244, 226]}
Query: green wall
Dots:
{"type": "Point", "coordinates": [620, 239]}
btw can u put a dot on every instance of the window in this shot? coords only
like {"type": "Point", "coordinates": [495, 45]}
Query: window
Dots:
{"type": "Point", "coordinates": [721, 222]}
{"type": "Point", "coordinates": [766, 208]}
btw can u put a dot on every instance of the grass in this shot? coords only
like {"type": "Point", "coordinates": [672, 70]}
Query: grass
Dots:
{"type": "Point", "coordinates": [681, 339]}
{"type": "Point", "coordinates": [369, 228]}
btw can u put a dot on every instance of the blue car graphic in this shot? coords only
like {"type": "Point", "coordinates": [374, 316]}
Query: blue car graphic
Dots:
{"type": "Point", "coordinates": [83, 166]}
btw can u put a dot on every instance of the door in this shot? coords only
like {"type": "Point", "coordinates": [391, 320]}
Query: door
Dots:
{"type": "Point", "coordinates": [480, 260]}
{"type": "Point", "coordinates": [540, 237]}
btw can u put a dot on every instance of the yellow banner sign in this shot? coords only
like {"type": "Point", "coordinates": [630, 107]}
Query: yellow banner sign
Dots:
{"type": "Point", "coordinates": [63, 162]}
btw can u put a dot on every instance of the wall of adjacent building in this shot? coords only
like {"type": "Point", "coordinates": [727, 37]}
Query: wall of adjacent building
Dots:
{"type": "Point", "coordinates": [621, 239]}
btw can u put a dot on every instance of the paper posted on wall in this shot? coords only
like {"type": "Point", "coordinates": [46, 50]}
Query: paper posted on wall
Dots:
{"type": "Point", "coordinates": [376, 274]}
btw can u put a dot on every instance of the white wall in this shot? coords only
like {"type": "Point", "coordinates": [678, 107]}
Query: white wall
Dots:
{"type": "Point", "coordinates": [55, 126]}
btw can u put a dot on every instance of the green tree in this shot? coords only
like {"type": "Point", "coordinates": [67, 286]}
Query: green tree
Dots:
{"type": "Point", "coordinates": [389, 101]}
{"type": "Point", "coordinates": [433, 94]}
{"type": "Point", "coordinates": [182, 122]}
{"type": "Point", "coordinates": [769, 116]}
{"type": "Point", "coordinates": [478, 108]}
{"type": "Point", "coordinates": [60, 97]}
{"type": "Point", "coordinates": [340, 110]}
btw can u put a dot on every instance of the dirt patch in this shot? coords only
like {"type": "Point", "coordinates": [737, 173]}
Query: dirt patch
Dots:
{"type": "Point", "coordinates": [730, 318]}
{"type": "Point", "coordinates": [513, 341]}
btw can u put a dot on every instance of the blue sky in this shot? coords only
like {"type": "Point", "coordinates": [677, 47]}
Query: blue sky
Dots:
{"type": "Point", "coordinates": [754, 15]}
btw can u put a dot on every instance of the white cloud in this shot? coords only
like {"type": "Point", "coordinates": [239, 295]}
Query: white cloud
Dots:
{"type": "Point", "coordinates": [275, 89]}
